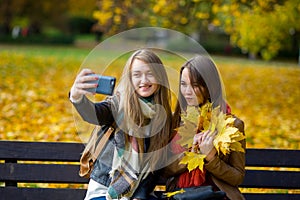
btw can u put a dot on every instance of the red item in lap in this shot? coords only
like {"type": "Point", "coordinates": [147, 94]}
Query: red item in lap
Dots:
{"type": "Point", "coordinates": [191, 179]}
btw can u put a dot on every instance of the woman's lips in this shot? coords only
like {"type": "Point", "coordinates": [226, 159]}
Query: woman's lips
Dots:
{"type": "Point", "coordinates": [145, 87]}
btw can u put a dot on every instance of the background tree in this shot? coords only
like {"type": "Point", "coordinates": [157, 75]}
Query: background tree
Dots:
{"type": "Point", "coordinates": [257, 27]}
{"type": "Point", "coordinates": [81, 8]}
{"type": "Point", "coordinates": [38, 14]}
{"type": "Point", "coordinates": [114, 16]}
{"type": "Point", "coordinates": [8, 10]}
{"type": "Point", "coordinates": [183, 15]}
{"type": "Point", "coordinates": [261, 27]}
{"type": "Point", "coordinates": [33, 14]}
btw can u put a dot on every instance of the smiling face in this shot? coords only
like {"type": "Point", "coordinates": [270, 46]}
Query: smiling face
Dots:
{"type": "Point", "coordinates": [143, 80]}
{"type": "Point", "coordinates": [190, 91]}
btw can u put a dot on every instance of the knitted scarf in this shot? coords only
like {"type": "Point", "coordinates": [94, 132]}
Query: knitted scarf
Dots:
{"type": "Point", "coordinates": [130, 166]}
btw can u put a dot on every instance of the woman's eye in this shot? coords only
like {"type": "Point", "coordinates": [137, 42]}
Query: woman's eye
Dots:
{"type": "Point", "coordinates": [183, 84]}
{"type": "Point", "coordinates": [136, 75]}
{"type": "Point", "coordinates": [149, 74]}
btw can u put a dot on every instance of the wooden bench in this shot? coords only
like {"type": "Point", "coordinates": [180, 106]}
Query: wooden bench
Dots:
{"type": "Point", "coordinates": [14, 170]}
{"type": "Point", "coordinates": [266, 168]}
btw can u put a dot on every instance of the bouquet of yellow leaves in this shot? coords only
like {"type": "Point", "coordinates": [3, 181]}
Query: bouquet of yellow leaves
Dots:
{"type": "Point", "coordinates": [206, 118]}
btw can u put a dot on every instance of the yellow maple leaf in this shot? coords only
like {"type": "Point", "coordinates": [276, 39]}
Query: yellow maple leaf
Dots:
{"type": "Point", "coordinates": [194, 119]}
{"type": "Point", "coordinates": [202, 119]}
{"type": "Point", "coordinates": [189, 127]}
{"type": "Point", "coordinates": [170, 194]}
{"type": "Point", "coordinates": [206, 116]}
{"type": "Point", "coordinates": [228, 136]}
{"type": "Point", "coordinates": [192, 113]}
{"type": "Point", "coordinates": [237, 146]}
{"type": "Point", "coordinates": [193, 160]}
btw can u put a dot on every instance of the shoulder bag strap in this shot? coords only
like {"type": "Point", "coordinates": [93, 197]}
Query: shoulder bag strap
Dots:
{"type": "Point", "coordinates": [102, 142]}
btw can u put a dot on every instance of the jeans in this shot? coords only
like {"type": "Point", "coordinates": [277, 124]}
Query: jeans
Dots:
{"type": "Point", "coordinates": [99, 198]}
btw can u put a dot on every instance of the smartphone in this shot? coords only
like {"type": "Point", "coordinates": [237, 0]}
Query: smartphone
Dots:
{"type": "Point", "coordinates": [106, 85]}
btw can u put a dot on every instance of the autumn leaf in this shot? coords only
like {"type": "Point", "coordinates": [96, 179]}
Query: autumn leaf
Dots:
{"type": "Point", "coordinates": [193, 160]}
{"type": "Point", "coordinates": [228, 136]}
{"type": "Point", "coordinates": [170, 194]}
{"type": "Point", "coordinates": [237, 146]}
{"type": "Point", "coordinates": [192, 114]}
{"type": "Point", "coordinates": [189, 127]}
{"type": "Point", "coordinates": [206, 118]}
{"type": "Point", "coordinates": [36, 108]}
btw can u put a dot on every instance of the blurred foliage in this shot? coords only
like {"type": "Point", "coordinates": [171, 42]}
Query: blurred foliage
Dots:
{"type": "Point", "coordinates": [35, 83]}
{"type": "Point", "coordinates": [258, 27]}
{"type": "Point", "coordinates": [266, 97]}
{"type": "Point", "coordinates": [262, 26]}
{"type": "Point", "coordinates": [39, 14]}
{"type": "Point", "coordinates": [33, 14]}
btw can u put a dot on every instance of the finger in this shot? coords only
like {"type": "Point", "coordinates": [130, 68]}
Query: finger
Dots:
{"type": "Point", "coordinates": [201, 139]}
{"type": "Point", "coordinates": [205, 135]}
{"type": "Point", "coordinates": [90, 77]}
{"type": "Point", "coordinates": [87, 79]}
{"type": "Point", "coordinates": [195, 141]}
{"type": "Point", "coordinates": [214, 133]}
{"type": "Point", "coordinates": [197, 137]}
{"type": "Point", "coordinates": [210, 139]}
{"type": "Point", "coordinates": [85, 72]}
{"type": "Point", "coordinates": [86, 85]}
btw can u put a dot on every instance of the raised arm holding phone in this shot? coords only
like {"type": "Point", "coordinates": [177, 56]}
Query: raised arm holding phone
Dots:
{"type": "Point", "coordinates": [140, 108]}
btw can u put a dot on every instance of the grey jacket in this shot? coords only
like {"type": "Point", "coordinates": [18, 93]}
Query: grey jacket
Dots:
{"type": "Point", "coordinates": [101, 114]}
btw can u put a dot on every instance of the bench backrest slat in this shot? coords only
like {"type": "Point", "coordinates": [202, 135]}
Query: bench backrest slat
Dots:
{"type": "Point", "coordinates": [272, 158]}
{"type": "Point", "coordinates": [271, 179]}
{"type": "Point", "coordinates": [41, 173]}
{"type": "Point", "coordinates": [40, 151]}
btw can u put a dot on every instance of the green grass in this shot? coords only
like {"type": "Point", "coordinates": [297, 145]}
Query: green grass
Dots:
{"type": "Point", "coordinates": [62, 52]}
{"type": "Point", "coordinates": [59, 52]}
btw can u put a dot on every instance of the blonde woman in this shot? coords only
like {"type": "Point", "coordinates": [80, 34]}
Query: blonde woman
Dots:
{"type": "Point", "coordinates": [141, 110]}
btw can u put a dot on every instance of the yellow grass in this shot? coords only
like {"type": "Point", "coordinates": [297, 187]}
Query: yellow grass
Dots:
{"type": "Point", "coordinates": [34, 96]}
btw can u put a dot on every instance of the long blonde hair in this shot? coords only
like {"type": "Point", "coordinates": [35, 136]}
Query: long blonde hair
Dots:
{"type": "Point", "coordinates": [130, 100]}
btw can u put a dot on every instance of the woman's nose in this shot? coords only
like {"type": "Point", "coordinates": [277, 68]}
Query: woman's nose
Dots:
{"type": "Point", "coordinates": [189, 89]}
{"type": "Point", "coordinates": [144, 79]}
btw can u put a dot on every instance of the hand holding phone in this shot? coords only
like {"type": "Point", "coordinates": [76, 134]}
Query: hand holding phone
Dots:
{"type": "Point", "coordinates": [105, 84]}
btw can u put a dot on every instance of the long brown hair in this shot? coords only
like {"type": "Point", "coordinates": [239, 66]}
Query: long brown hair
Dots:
{"type": "Point", "coordinates": [204, 73]}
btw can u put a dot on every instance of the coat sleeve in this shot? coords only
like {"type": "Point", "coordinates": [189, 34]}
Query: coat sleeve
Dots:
{"type": "Point", "coordinates": [231, 168]}
{"type": "Point", "coordinates": [95, 113]}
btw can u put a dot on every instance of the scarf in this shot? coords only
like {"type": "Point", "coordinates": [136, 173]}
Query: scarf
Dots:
{"type": "Point", "coordinates": [130, 166]}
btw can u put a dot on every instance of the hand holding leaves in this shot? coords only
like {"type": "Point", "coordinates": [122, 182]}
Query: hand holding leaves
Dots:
{"type": "Point", "coordinates": [218, 134]}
